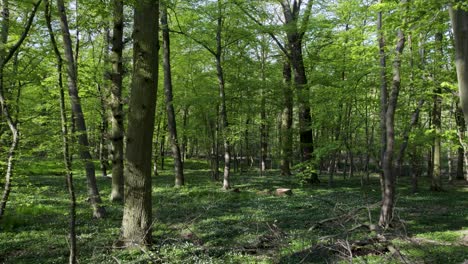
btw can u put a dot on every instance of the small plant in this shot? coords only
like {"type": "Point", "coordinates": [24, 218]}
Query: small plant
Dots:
{"type": "Point", "coordinates": [306, 172]}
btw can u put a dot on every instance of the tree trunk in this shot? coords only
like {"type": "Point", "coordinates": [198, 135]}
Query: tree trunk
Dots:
{"type": "Point", "coordinates": [461, 130]}
{"type": "Point", "coordinates": [295, 36]}
{"type": "Point", "coordinates": [263, 114]}
{"type": "Point", "coordinates": [388, 201]}
{"type": "Point", "coordinates": [286, 121]}
{"type": "Point", "coordinates": [406, 134]}
{"type": "Point", "coordinates": [117, 126]}
{"type": "Point", "coordinates": [436, 181]}
{"type": "Point", "coordinates": [103, 135]}
{"type": "Point", "coordinates": [79, 121]}
{"type": "Point", "coordinates": [459, 18]}
{"type": "Point", "coordinates": [137, 217]}
{"type": "Point", "coordinates": [171, 119]}
{"type": "Point", "coordinates": [5, 56]}
{"type": "Point", "coordinates": [65, 140]}
{"type": "Point", "coordinates": [222, 96]}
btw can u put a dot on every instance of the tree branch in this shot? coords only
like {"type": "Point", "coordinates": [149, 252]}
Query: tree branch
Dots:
{"type": "Point", "coordinates": [15, 47]}
{"type": "Point", "coordinates": [280, 45]}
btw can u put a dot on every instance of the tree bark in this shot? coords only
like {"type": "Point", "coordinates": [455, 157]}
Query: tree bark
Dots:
{"type": "Point", "coordinates": [103, 135]}
{"type": "Point", "coordinates": [295, 36]}
{"type": "Point", "coordinates": [286, 121]}
{"type": "Point", "coordinates": [116, 105]}
{"type": "Point", "coordinates": [171, 119]}
{"type": "Point", "coordinates": [459, 18]}
{"type": "Point", "coordinates": [386, 213]}
{"type": "Point", "coordinates": [222, 95]}
{"type": "Point", "coordinates": [79, 121]}
{"type": "Point", "coordinates": [65, 139]}
{"type": "Point", "coordinates": [263, 114]}
{"type": "Point", "coordinates": [436, 181]}
{"type": "Point", "coordinates": [461, 130]}
{"type": "Point", "coordinates": [137, 216]}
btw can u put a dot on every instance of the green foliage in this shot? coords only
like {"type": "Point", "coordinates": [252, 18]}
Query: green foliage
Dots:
{"type": "Point", "coordinates": [305, 171]}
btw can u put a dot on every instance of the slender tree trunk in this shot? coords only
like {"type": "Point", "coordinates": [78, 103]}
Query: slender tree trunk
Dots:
{"type": "Point", "coordinates": [117, 117]}
{"type": "Point", "coordinates": [94, 197]}
{"type": "Point", "coordinates": [388, 201]}
{"type": "Point", "coordinates": [383, 90]}
{"type": "Point", "coordinates": [184, 137]}
{"type": "Point", "coordinates": [171, 119]}
{"type": "Point", "coordinates": [137, 217]}
{"type": "Point", "coordinates": [156, 143]}
{"type": "Point", "coordinates": [263, 114]}
{"type": "Point", "coordinates": [461, 130]}
{"type": "Point", "coordinates": [436, 181]}
{"type": "Point", "coordinates": [65, 139]}
{"type": "Point", "coordinates": [406, 134]}
{"type": "Point", "coordinates": [286, 121]}
{"type": "Point", "coordinates": [416, 171]}
{"type": "Point", "coordinates": [103, 135]}
{"type": "Point", "coordinates": [5, 57]}
{"type": "Point", "coordinates": [222, 96]}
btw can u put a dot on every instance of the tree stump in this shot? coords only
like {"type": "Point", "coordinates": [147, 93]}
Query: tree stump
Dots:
{"type": "Point", "coordinates": [283, 192]}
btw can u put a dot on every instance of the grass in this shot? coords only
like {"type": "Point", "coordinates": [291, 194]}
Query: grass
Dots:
{"type": "Point", "coordinates": [200, 223]}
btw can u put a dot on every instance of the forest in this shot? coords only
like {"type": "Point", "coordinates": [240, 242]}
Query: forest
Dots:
{"type": "Point", "coordinates": [233, 131]}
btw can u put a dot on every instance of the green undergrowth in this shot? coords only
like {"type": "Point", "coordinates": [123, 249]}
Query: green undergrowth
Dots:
{"type": "Point", "coordinates": [200, 223]}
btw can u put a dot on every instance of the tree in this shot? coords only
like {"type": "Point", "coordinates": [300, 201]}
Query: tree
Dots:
{"type": "Point", "coordinates": [5, 56]}
{"type": "Point", "coordinates": [137, 216]}
{"type": "Point", "coordinates": [78, 117]}
{"type": "Point", "coordinates": [117, 129]}
{"type": "Point", "coordinates": [65, 138]}
{"type": "Point", "coordinates": [171, 119]}
{"type": "Point", "coordinates": [459, 18]}
{"type": "Point", "coordinates": [389, 105]}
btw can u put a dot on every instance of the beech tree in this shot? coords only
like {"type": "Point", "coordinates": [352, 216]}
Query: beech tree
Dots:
{"type": "Point", "coordinates": [78, 117]}
{"type": "Point", "coordinates": [116, 105]}
{"type": "Point", "coordinates": [137, 217]}
{"type": "Point", "coordinates": [6, 54]}
{"type": "Point", "coordinates": [171, 119]}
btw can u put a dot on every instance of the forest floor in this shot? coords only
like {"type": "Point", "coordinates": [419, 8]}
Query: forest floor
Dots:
{"type": "Point", "coordinates": [200, 223]}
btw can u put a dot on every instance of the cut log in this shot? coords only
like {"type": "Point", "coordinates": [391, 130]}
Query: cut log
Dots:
{"type": "Point", "coordinates": [283, 192]}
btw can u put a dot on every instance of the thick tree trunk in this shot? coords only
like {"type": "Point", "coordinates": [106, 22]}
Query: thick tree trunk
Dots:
{"type": "Point", "coordinates": [79, 121]}
{"type": "Point", "coordinates": [117, 125]}
{"type": "Point", "coordinates": [171, 119]}
{"type": "Point", "coordinates": [459, 18]}
{"type": "Point", "coordinates": [137, 217]}
{"type": "Point", "coordinates": [295, 36]}
{"type": "Point", "coordinates": [5, 56]}
{"type": "Point", "coordinates": [463, 148]}
{"type": "Point", "coordinates": [286, 121]}
{"type": "Point", "coordinates": [65, 140]}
